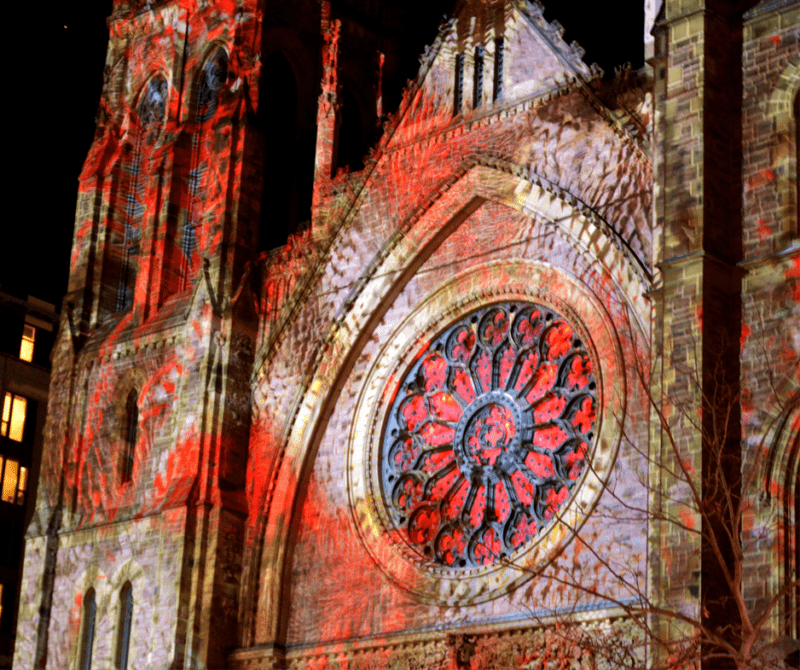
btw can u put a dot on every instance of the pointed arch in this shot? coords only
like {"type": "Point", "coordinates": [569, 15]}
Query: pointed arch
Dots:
{"type": "Point", "coordinates": [124, 626]}
{"type": "Point", "coordinates": [88, 622]}
{"type": "Point", "coordinates": [131, 435]}
{"type": "Point", "coordinates": [146, 124]}
{"type": "Point", "coordinates": [782, 110]}
{"type": "Point", "coordinates": [781, 493]}
{"type": "Point", "coordinates": [265, 581]}
{"type": "Point", "coordinates": [210, 84]}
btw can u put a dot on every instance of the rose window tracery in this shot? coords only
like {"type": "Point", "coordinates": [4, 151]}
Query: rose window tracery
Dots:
{"type": "Point", "coordinates": [487, 434]}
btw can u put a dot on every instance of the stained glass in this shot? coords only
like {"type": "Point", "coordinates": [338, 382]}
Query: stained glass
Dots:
{"type": "Point", "coordinates": [488, 433]}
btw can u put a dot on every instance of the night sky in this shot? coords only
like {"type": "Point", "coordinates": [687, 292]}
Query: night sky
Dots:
{"type": "Point", "coordinates": [60, 58]}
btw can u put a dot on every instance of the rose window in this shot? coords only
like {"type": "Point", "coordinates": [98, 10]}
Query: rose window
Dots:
{"type": "Point", "coordinates": [487, 434]}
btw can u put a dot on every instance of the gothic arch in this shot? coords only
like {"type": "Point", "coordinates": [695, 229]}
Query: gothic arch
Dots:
{"type": "Point", "coordinates": [780, 494]}
{"type": "Point", "coordinates": [781, 111]}
{"type": "Point", "coordinates": [144, 132]}
{"type": "Point", "coordinates": [91, 581]}
{"type": "Point", "coordinates": [130, 574]}
{"type": "Point", "coordinates": [126, 433]}
{"type": "Point", "coordinates": [179, 258]}
{"type": "Point", "coordinates": [207, 91]}
{"type": "Point", "coordinates": [150, 108]}
{"type": "Point", "coordinates": [268, 560]}
{"type": "Point", "coordinates": [209, 83]}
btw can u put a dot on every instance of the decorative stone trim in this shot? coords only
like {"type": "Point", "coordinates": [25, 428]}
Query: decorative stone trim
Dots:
{"type": "Point", "coordinates": [499, 646]}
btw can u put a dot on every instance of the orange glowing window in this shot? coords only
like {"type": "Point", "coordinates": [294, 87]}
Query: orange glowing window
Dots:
{"type": "Point", "coordinates": [1, 604]}
{"type": "Point", "coordinates": [13, 419]}
{"type": "Point", "coordinates": [22, 485]}
{"type": "Point", "coordinates": [10, 476]}
{"type": "Point", "coordinates": [14, 482]}
{"type": "Point", "coordinates": [26, 346]}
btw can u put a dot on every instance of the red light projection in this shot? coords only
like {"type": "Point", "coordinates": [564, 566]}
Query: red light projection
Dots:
{"type": "Point", "coordinates": [487, 434]}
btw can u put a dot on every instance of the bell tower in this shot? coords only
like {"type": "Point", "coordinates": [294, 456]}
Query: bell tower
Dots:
{"type": "Point", "coordinates": [147, 436]}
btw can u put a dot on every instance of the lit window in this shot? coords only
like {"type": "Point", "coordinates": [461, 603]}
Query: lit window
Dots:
{"type": "Point", "coordinates": [10, 476]}
{"type": "Point", "coordinates": [125, 620]}
{"type": "Point", "coordinates": [13, 421]}
{"type": "Point", "coordinates": [1, 604]}
{"type": "Point", "coordinates": [22, 485]}
{"type": "Point", "coordinates": [26, 347]}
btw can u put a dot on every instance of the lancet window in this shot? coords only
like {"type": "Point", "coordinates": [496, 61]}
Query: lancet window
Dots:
{"type": "Point", "coordinates": [147, 125]}
{"type": "Point", "coordinates": [212, 80]}
{"type": "Point", "coordinates": [129, 449]}
{"type": "Point", "coordinates": [87, 637]}
{"type": "Point", "coordinates": [124, 627]}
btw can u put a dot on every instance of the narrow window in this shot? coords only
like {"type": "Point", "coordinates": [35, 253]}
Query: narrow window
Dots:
{"type": "Point", "coordinates": [14, 480]}
{"type": "Point", "coordinates": [459, 83]}
{"type": "Point", "coordinates": [477, 91]}
{"type": "Point", "coordinates": [26, 346]}
{"type": "Point", "coordinates": [130, 242]}
{"type": "Point", "coordinates": [22, 485]}
{"type": "Point", "coordinates": [125, 620]}
{"type": "Point", "coordinates": [87, 641]}
{"type": "Point", "coordinates": [151, 113]}
{"type": "Point", "coordinates": [498, 69]}
{"type": "Point", "coordinates": [12, 425]}
{"type": "Point", "coordinates": [132, 412]}
{"type": "Point", "coordinates": [10, 475]}
{"type": "Point", "coordinates": [212, 80]}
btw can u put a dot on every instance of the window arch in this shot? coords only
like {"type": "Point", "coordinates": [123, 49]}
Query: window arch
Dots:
{"type": "Point", "coordinates": [791, 539]}
{"type": "Point", "coordinates": [124, 626]}
{"type": "Point", "coordinates": [148, 121]}
{"type": "Point", "coordinates": [781, 493]}
{"type": "Point", "coordinates": [783, 112]}
{"type": "Point", "coordinates": [87, 636]}
{"type": "Point", "coordinates": [129, 452]}
{"type": "Point", "coordinates": [212, 80]}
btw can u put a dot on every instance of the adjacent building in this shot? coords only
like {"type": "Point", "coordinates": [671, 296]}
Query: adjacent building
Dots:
{"type": "Point", "coordinates": [28, 330]}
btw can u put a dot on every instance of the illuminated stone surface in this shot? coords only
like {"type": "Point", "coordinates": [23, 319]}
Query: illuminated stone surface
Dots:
{"type": "Point", "coordinates": [250, 529]}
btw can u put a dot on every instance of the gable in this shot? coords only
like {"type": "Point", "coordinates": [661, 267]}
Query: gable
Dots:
{"type": "Point", "coordinates": [490, 55]}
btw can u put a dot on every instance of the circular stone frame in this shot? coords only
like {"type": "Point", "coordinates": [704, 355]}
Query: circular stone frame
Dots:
{"type": "Point", "coordinates": [496, 282]}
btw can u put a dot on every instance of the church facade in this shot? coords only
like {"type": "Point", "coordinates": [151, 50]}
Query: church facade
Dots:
{"type": "Point", "coordinates": [514, 386]}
